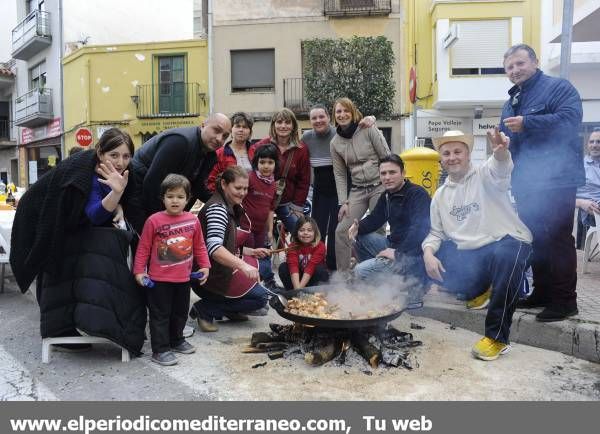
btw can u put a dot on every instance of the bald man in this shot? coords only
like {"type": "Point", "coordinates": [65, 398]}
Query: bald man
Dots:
{"type": "Point", "coordinates": [186, 151]}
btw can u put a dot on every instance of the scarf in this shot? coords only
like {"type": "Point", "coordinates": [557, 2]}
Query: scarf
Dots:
{"type": "Point", "coordinates": [266, 179]}
{"type": "Point", "coordinates": [348, 132]}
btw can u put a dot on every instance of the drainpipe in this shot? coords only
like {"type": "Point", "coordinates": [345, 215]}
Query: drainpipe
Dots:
{"type": "Point", "coordinates": [62, 84]}
{"type": "Point", "coordinates": [566, 38]}
{"type": "Point", "coordinates": [211, 104]}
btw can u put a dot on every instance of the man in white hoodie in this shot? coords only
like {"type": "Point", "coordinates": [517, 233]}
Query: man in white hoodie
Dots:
{"type": "Point", "coordinates": [476, 238]}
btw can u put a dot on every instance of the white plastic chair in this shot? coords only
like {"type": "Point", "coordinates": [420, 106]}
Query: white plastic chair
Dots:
{"type": "Point", "coordinates": [591, 247]}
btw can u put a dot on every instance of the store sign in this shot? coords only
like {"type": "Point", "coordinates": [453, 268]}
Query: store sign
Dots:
{"type": "Point", "coordinates": [158, 125]}
{"type": "Point", "coordinates": [435, 127]}
{"type": "Point", "coordinates": [51, 129]}
{"type": "Point", "coordinates": [483, 125]}
{"type": "Point", "coordinates": [84, 137]}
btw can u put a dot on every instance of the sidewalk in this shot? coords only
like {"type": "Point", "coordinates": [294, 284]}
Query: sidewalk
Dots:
{"type": "Point", "coordinates": [578, 336]}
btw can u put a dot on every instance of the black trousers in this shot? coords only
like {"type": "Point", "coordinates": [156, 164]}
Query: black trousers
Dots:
{"type": "Point", "coordinates": [549, 216]}
{"type": "Point", "coordinates": [325, 212]}
{"type": "Point", "coordinates": [168, 304]}
{"type": "Point", "coordinates": [321, 275]}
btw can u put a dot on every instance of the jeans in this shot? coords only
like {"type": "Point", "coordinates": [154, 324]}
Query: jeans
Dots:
{"type": "Point", "coordinates": [372, 268]}
{"type": "Point", "coordinates": [287, 217]}
{"type": "Point", "coordinates": [213, 306]}
{"type": "Point", "coordinates": [502, 265]}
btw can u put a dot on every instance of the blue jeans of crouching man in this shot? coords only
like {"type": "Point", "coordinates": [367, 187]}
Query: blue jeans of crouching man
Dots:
{"type": "Point", "coordinates": [372, 268]}
{"type": "Point", "coordinates": [502, 265]}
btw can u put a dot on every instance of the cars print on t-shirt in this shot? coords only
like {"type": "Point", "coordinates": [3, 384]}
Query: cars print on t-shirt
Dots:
{"type": "Point", "coordinates": [175, 250]}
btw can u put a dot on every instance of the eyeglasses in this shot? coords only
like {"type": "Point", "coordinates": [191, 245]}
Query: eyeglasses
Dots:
{"type": "Point", "coordinates": [594, 142]}
{"type": "Point", "coordinates": [515, 99]}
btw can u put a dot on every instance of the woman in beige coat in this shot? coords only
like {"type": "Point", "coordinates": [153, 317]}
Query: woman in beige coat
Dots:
{"type": "Point", "coordinates": [358, 151]}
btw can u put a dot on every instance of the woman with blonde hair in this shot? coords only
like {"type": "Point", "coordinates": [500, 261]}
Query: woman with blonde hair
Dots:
{"type": "Point", "coordinates": [355, 150]}
{"type": "Point", "coordinates": [293, 176]}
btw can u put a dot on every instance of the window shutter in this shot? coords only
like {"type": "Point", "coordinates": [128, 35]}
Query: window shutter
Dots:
{"type": "Point", "coordinates": [481, 44]}
{"type": "Point", "coordinates": [253, 69]}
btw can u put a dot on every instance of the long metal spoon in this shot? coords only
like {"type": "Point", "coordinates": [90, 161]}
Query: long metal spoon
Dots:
{"type": "Point", "coordinates": [281, 298]}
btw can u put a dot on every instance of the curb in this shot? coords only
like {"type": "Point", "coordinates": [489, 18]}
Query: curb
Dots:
{"type": "Point", "coordinates": [574, 337]}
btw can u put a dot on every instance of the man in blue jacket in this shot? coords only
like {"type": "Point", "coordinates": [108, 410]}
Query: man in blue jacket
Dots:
{"type": "Point", "coordinates": [405, 206]}
{"type": "Point", "coordinates": [542, 118]}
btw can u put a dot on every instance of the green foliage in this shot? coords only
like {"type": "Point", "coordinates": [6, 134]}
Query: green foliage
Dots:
{"type": "Point", "coordinates": [360, 68]}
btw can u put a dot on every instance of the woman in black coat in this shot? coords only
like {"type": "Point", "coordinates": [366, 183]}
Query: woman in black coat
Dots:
{"type": "Point", "coordinates": [78, 258]}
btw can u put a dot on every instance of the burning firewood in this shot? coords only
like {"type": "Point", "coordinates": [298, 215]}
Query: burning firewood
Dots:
{"type": "Point", "coordinates": [369, 351]}
{"type": "Point", "coordinates": [321, 354]}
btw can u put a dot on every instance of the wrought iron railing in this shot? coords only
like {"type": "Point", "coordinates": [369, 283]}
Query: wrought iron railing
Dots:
{"type": "Point", "coordinates": [357, 7]}
{"type": "Point", "coordinates": [5, 127]}
{"type": "Point", "coordinates": [35, 102]}
{"type": "Point", "coordinates": [37, 23]}
{"type": "Point", "coordinates": [293, 95]}
{"type": "Point", "coordinates": [163, 100]}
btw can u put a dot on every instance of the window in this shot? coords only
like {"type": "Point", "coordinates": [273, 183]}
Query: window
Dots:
{"type": "Point", "coordinates": [171, 83]}
{"type": "Point", "coordinates": [253, 70]}
{"type": "Point", "coordinates": [480, 47]}
{"type": "Point", "coordinates": [348, 4]}
{"type": "Point", "coordinates": [37, 76]}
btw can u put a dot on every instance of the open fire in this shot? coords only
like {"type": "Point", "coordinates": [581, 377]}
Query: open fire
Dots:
{"type": "Point", "coordinates": [318, 345]}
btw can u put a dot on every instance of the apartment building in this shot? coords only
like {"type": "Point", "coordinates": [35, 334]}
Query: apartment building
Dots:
{"type": "Point", "coordinates": [585, 53]}
{"type": "Point", "coordinates": [140, 88]}
{"type": "Point", "coordinates": [458, 48]}
{"type": "Point", "coordinates": [257, 56]}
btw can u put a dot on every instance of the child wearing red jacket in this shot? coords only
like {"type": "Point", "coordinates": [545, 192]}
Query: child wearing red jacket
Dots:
{"type": "Point", "coordinates": [170, 242]}
{"type": "Point", "coordinates": [259, 205]}
{"type": "Point", "coordinates": [305, 263]}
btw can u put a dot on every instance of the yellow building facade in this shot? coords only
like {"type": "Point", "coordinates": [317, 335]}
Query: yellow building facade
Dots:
{"type": "Point", "coordinates": [456, 48]}
{"type": "Point", "coordinates": [140, 88]}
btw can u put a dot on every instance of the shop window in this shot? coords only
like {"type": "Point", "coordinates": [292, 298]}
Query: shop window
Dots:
{"type": "Point", "coordinates": [252, 70]}
{"type": "Point", "coordinates": [480, 47]}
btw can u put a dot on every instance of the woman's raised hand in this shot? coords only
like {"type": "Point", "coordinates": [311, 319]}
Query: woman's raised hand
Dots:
{"type": "Point", "coordinates": [111, 177]}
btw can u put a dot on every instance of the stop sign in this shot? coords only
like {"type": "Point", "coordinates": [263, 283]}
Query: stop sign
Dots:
{"type": "Point", "coordinates": [83, 136]}
{"type": "Point", "coordinates": [412, 85]}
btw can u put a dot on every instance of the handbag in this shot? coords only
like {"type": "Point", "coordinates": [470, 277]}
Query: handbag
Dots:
{"type": "Point", "coordinates": [280, 183]}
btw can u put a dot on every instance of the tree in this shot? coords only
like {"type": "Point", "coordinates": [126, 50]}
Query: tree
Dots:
{"type": "Point", "coordinates": [359, 68]}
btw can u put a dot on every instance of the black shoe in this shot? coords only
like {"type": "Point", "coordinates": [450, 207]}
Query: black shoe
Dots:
{"type": "Point", "coordinates": [531, 302]}
{"type": "Point", "coordinates": [272, 285]}
{"type": "Point", "coordinates": [556, 313]}
{"type": "Point", "coordinates": [72, 348]}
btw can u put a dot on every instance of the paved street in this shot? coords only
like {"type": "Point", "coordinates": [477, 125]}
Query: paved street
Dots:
{"type": "Point", "coordinates": [219, 371]}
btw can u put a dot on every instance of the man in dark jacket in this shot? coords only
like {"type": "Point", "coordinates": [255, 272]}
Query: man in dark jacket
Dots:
{"type": "Point", "coordinates": [542, 119]}
{"type": "Point", "coordinates": [186, 151]}
{"type": "Point", "coordinates": [405, 206]}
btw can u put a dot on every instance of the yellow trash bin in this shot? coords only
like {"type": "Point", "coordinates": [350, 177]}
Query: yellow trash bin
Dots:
{"type": "Point", "coordinates": [422, 166]}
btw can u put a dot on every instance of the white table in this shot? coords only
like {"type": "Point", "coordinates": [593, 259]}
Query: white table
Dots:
{"type": "Point", "coordinates": [6, 222]}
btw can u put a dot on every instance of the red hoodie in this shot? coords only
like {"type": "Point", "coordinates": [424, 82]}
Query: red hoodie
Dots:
{"type": "Point", "coordinates": [225, 158]}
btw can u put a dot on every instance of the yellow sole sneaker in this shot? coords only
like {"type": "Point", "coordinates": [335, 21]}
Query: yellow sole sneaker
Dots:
{"type": "Point", "coordinates": [481, 301]}
{"type": "Point", "coordinates": [489, 349]}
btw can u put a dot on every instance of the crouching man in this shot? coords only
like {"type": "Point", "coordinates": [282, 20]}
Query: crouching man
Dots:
{"type": "Point", "coordinates": [405, 206]}
{"type": "Point", "coordinates": [476, 239]}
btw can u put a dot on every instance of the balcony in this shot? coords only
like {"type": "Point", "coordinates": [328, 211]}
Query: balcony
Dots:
{"type": "Point", "coordinates": [293, 96]}
{"type": "Point", "coordinates": [34, 108]}
{"type": "Point", "coordinates": [340, 8]}
{"type": "Point", "coordinates": [167, 100]}
{"type": "Point", "coordinates": [32, 35]}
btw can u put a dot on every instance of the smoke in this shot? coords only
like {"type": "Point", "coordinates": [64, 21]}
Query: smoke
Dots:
{"type": "Point", "coordinates": [381, 293]}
